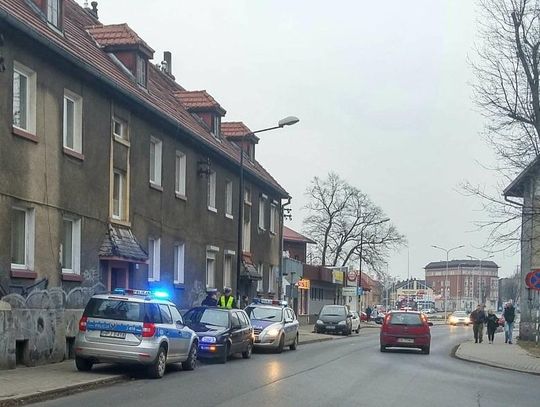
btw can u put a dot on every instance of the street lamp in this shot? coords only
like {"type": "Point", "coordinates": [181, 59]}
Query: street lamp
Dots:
{"type": "Point", "coordinates": [480, 275]}
{"type": "Point", "coordinates": [446, 275]}
{"type": "Point", "coordinates": [287, 121]}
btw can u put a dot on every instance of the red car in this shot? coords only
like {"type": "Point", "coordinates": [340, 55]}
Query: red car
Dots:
{"type": "Point", "coordinates": [406, 329]}
{"type": "Point", "coordinates": [363, 316]}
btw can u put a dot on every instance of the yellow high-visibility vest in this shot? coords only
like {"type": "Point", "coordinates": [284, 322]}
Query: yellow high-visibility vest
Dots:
{"type": "Point", "coordinates": [226, 302]}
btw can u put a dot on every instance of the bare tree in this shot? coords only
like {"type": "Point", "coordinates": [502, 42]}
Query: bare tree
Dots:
{"type": "Point", "coordinates": [507, 92]}
{"type": "Point", "coordinates": [346, 224]}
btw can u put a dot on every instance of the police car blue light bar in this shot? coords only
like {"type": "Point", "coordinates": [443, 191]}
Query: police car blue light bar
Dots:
{"type": "Point", "coordinates": [266, 301]}
{"type": "Point", "coordinates": [161, 294]}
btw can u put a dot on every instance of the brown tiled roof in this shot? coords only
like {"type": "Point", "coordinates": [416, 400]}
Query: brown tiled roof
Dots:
{"type": "Point", "coordinates": [196, 100]}
{"type": "Point", "coordinates": [293, 236]}
{"type": "Point", "coordinates": [120, 243]}
{"type": "Point", "coordinates": [236, 130]}
{"type": "Point", "coordinates": [81, 49]}
{"type": "Point", "coordinates": [117, 35]}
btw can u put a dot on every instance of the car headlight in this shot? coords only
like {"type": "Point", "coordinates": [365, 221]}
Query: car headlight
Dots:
{"type": "Point", "coordinates": [342, 322]}
{"type": "Point", "coordinates": [319, 322]}
{"type": "Point", "coordinates": [272, 332]}
{"type": "Point", "coordinates": [208, 339]}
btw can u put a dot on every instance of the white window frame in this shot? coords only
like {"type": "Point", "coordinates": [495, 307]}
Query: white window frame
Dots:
{"type": "Point", "coordinates": [141, 70]}
{"type": "Point", "coordinates": [262, 211]}
{"type": "Point", "coordinates": [158, 154]}
{"type": "Point", "coordinates": [121, 196]}
{"type": "Point", "coordinates": [216, 124]}
{"type": "Point", "coordinates": [271, 279]}
{"type": "Point", "coordinates": [260, 268]}
{"type": "Point", "coordinates": [123, 135]}
{"type": "Point", "coordinates": [154, 259]}
{"type": "Point", "coordinates": [229, 199]}
{"type": "Point", "coordinates": [247, 196]}
{"type": "Point", "coordinates": [212, 178]}
{"type": "Point", "coordinates": [29, 239]}
{"type": "Point", "coordinates": [77, 121]}
{"type": "Point", "coordinates": [180, 170]}
{"type": "Point", "coordinates": [273, 218]}
{"type": "Point", "coordinates": [227, 269]}
{"type": "Point", "coordinates": [179, 263]}
{"type": "Point", "coordinates": [31, 92]}
{"type": "Point", "coordinates": [53, 12]}
{"type": "Point", "coordinates": [75, 246]}
{"type": "Point", "coordinates": [211, 252]}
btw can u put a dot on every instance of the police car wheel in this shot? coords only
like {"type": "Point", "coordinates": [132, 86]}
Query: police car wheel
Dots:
{"type": "Point", "coordinates": [281, 344]}
{"type": "Point", "coordinates": [157, 369]}
{"type": "Point", "coordinates": [294, 345]}
{"type": "Point", "coordinates": [83, 365]}
{"type": "Point", "coordinates": [249, 349]}
{"type": "Point", "coordinates": [191, 361]}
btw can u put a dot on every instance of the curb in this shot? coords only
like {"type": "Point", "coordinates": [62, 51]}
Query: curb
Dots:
{"type": "Point", "coordinates": [484, 363]}
{"type": "Point", "coordinates": [307, 342]}
{"type": "Point", "coordinates": [64, 391]}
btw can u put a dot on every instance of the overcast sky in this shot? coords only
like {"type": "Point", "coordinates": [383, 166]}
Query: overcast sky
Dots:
{"type": "Point", "coordinates": [381, 89]}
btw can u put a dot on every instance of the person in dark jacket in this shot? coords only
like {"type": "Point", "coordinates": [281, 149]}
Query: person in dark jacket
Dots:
{"type": "Point", "coordinates": [210, 300]}
{"type": "Point", "coordinates": [368, 313]}
{"type": "Point", "coordinates": [492, 324]}
{"type": "Point", "coordinates": [478, 319]}
{"type": "Point", "coordinates": [509, 317]}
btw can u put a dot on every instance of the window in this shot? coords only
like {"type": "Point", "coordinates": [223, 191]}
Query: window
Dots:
{"type": "Point", "coordinates": [24, 98]}
{"type": "Point", "coordinates": [227, 271]}
{"type": "Point", "coordinates": [119, 128]}
{"type": "Point", "coordinates": [180, 188]}
{"type": "Point", "coordinates": [210, 268]}
{"type": "Point", "coordinates": [72, 121]}
{"type": "Point", "coordinates": [154, 249]}
{"type": "Point", "coordinates": [179, 263]}
{"type": "Point", "coordinates": [176, 314]}
{"type": "Point", "coordinates": [53, 12]}
{"type": "Point", "coordinates": [22, 239]}
{"type": "Point", "coordinates": [247, 196]}
{"type": "Point", "coordinates": [216, 123]}
{"type": "Point", "coordinates": [246, 238]}
{"type": "Point", "coordinates": [228, 199]}
{"type": "Point", "coordinates": [271, 279]}
{"type": "Point", "coordinates": [273, 218]}
{"type": "Point", "coordinates": [212, 191]}
{"type": "Point", "coordinates": [71, 246]}
{"type": "Point", "coordinates": [262, 204]}
{"type": "Point", "coordinates": [141, 71]}
{"type": "Point", "coordinates": [260, 269]}
{"type": "Point", "coordinates": [155, 161]}
{"type": "Point", "coordinates": [166, 317]}
{"type": "Point", "coordinates": [119, 195]}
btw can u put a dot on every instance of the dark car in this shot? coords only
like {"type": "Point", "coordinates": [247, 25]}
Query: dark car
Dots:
{"type": "Point", "coordinates": [405, 329]}
{"type": "Point", "coordinates": [221, 332]}
{"type": "Point", "coordinates": [334, 318]}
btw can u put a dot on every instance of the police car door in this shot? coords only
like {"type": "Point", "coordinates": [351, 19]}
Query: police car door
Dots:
{"type": "Point", "coordinates": [236, 332]}
{"type": "Point", "coordinates": [291, 326]}
{"type": "Point", "coordinates": [184, 334]}
{"type": "Point", "coordinates": [168, 329]}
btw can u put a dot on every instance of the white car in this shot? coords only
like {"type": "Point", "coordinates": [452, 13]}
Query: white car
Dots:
{"type": "Point", "coordinates": [355, 322]}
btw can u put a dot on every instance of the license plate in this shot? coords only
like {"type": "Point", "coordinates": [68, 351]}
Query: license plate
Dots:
{"type": "Point", "coordinates": [112, 334]}
{"type": "Point", "coordinates": [330, 327]}
{"type": "Point", "coordinates": [405, 340]}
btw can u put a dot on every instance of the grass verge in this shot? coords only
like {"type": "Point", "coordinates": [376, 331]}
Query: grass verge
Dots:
{"type": "Point", "coordinates": [530, 347]}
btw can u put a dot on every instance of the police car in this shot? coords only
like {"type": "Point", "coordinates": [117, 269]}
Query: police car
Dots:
{"type": "Point", "coordinates": [274, 324]}
{"type": "Point", "coordinates": [134, 327]}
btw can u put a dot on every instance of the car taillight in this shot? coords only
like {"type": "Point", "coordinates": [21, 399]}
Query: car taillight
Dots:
{"type": "Point", "coordinates": [148, 330]}
{"type": "Point", "coordinates": [82, 324]}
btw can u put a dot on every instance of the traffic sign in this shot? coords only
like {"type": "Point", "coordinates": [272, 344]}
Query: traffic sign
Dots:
{"type": "Point", "coordinates": [532, 279]}
{"type": "Point", "coordinates": [351, 276]}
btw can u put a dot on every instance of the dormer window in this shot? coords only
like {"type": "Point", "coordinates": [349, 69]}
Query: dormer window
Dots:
{"type": "Point", "coordinates": [216, 124]}
{"type": "Point", "coordinates": [141, 71]}
{"type": "Point", "coordinates": [53, 12]}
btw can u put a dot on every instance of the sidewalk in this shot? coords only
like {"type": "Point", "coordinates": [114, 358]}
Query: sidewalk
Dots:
{"type": "Point", "coordinates": [499, 354]}
{"type": "Point", "coordinates": [25, 384]}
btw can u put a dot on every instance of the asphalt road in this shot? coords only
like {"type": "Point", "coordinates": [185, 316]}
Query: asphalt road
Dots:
{"type": "Point", "coordinates": [346, 372]}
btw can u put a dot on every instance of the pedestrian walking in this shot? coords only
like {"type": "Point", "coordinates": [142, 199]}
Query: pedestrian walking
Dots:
{"type": "Point", "coordinates": [478, 319]}
{"type": "Point", "coordinates": [509, 317]}
{"type": "Point", "coordinates": [492, 324]}
{"type": "Point", "coordinates": [211, 298]}
{"type": "Point", "coordinates": [227, 300]}
{"type": "Point", "coordinates": [368, 313]}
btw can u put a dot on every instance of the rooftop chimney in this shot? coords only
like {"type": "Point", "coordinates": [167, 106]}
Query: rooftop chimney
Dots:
{"type": "Point", "coordinates": [167, 58]}
{"type": "Point", "coordinates": [94, 9]}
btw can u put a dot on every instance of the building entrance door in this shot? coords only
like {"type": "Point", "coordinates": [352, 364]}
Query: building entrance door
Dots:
{"type": "Point", "coordinates": [118, 278]}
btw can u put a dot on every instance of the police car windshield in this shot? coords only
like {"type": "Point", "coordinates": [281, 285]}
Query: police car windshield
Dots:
{"type": "Point", "coordinates": [265, 314]}
{"type": "Point", "coordinates": [115, 309]}
{"type": "Point", "coordinates": [207, 316]}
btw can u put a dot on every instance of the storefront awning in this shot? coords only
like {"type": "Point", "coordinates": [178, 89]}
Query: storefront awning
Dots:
{"type": "Point", "coordinates": [120, 244]}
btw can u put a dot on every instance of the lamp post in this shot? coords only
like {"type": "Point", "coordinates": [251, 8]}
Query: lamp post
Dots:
{"type": "Point", "coordinates": [480, 275]}
{"type": "Point", "coordinates": [288, 121]}
{"type": "Point", "coordinates": [446, 275]}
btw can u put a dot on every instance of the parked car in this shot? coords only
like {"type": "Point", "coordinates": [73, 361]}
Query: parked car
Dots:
{"type": "Point", "coordinates": [459, 317]}
{"type": "Point", "coordinates": [274, 324]}
{"type": "Point", "coordinates": [379, 318]}
{"type": "Point", "coordinates": [222, 332]}
{"type": "Point", "coordinates": [405, 329]}
{"type": "Point", "coordinates": [355, 322]}
{"type": "Point", "coordinates": [134, 327]}
{"type": "Point", "coordinates": [334, 318]}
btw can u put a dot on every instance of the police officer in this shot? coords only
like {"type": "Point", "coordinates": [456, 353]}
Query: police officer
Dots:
{"type": "Point", "coordinates": [210, 300]}
{"type": "Point", "coordinates": [227, 299]}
